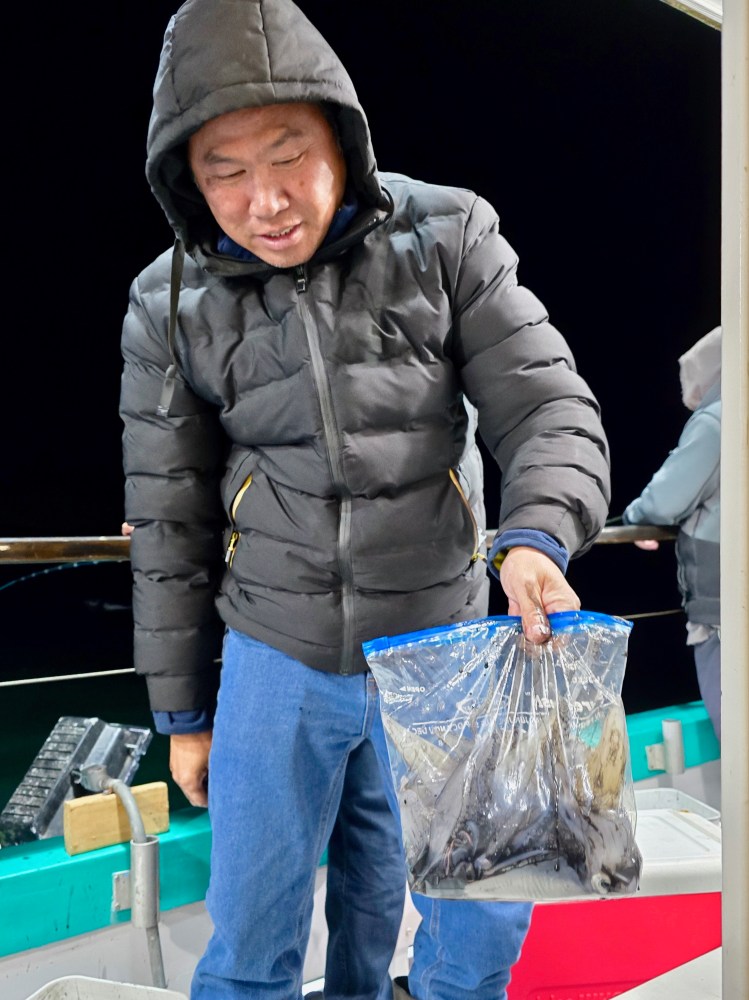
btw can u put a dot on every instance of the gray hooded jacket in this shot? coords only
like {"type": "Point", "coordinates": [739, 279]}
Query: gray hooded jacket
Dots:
{"type": "Point", "coordinates": [316, 478]}
{"type": "Point", "coordinates": [685, 490]}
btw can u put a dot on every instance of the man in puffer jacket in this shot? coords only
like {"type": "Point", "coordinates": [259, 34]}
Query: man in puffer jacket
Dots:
{"type": "Point", "coordinates": [685, 491]}
{"type": "Point", "coordinates": [303, 375]}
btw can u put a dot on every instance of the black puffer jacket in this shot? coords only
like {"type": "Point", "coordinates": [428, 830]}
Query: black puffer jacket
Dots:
{"type": "Point", "coordinates": [317, 471]}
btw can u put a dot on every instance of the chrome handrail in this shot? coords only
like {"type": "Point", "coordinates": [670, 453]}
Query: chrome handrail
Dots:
{"type": "Point", "coordinates": [115, 548]}
{"type": "Point", "coordinates": [65, 549]}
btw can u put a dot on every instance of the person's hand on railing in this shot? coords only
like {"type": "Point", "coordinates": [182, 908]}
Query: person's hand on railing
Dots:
{"type": "Point", "coordinates": [648, 544]}
{"type": "Point", "coordinates": [644, 536]}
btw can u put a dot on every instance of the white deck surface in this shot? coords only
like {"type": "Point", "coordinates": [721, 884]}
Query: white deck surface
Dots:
{"type": "Point", "coordinates": [699, 979]}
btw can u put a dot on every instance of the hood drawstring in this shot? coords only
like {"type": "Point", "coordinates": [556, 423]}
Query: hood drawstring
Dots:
{"type": "Point", "coordinates": [167, 389]}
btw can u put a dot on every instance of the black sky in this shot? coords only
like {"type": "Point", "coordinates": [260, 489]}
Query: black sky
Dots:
{"type": "Point", "coordinates": [594, 129]}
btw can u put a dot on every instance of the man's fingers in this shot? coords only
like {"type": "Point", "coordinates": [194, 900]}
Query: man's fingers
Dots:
{"type": "Point", "coordinates": [188, 762]}
{"type": "Point", "coordinates": [536, 626]}
{"type": "Point", "coordinates": [196, 797]}
{"type": "Point", "coordinates": [193, 784]}
{"type": "Point", "coordinates": [566, 602]}
{"type": "Point", "coordinates": [534, 622]}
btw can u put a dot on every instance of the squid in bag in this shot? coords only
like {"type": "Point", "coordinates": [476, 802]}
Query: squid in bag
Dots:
{"type": "Point", "coordinates": [511, 760]}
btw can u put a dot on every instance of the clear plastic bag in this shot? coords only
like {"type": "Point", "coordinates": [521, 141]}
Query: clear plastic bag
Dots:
{"type": "Point", "coordinates": [511, 760]}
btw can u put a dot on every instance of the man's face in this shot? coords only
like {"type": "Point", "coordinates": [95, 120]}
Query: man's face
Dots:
{"type": "Point", "coordinates": [273, 178]}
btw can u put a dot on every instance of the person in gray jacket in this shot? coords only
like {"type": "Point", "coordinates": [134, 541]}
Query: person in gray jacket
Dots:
{"type": "Point", "coordinates": [304, 374]}
{"type": "Point", "coordinates": [685, 491]}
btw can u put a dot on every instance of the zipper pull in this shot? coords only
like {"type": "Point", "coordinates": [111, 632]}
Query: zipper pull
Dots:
{"type": "Point", "coordinates": [301, 278]}
{"type": "Point", "coordinates": [230, 549]}
{"type": "Point", "coordinates": [167, 391]}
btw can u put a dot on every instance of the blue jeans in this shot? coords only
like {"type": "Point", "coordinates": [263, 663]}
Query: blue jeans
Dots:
{"type": "Point", "coordinates": [707, 662]}
{"type": "Point", "coordinates": [298, 764]}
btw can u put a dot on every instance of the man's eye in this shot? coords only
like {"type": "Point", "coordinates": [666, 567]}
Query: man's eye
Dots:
{"type": "Point", "coordinates": [228, 177]}
{"type": "Point", "coordinates": [289, 161]}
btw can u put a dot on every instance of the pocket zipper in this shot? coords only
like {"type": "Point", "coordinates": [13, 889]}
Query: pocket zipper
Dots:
{"type": "Point", "coordinates": [464, 500]}
{"type": "Point", "coordinates": [234, 537]}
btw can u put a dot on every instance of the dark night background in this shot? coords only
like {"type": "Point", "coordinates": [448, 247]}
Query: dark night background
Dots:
{"type": "Point", "coordinates": [594, 129]}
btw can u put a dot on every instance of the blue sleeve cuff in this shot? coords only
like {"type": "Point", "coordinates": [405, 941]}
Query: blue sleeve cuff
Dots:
{"type": "Point", "coordinates": [197, 720]}
{"type": "Point", "coordinates": [535, 540]}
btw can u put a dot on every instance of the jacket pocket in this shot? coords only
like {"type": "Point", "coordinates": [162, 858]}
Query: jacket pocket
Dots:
{"type": "Point", "coordinates": [476, 554]}
{"type": "Point", "coordinates": [235, 534]}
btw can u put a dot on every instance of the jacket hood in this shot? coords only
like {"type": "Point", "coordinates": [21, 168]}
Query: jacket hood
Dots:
{"type": "Point", "coordinates": [222, 55]}
{"type": "Point", "coordinates": [699, 368]}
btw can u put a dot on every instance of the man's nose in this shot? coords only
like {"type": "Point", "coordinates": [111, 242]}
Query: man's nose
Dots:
{"type": "Point", "coordinates": [268, 199]}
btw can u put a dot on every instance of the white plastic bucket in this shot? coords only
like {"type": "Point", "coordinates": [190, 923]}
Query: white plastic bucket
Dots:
{"type": "Point", "coordinates": [84, 988]}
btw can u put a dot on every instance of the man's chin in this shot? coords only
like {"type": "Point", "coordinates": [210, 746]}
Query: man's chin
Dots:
{"type": "Point", "coordinates": [283, 259]}
{"type": "Point", "coordinates": [297, 251]}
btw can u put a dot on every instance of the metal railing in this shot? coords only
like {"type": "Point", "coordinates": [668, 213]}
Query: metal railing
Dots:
{"type": "Point", "coordinates": [115, 548]}
{"type": "Point", "coordinates": [68, 552]}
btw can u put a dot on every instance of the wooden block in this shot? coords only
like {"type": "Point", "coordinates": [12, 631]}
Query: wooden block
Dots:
{"type": "Point", "coordinates": [94, 821]}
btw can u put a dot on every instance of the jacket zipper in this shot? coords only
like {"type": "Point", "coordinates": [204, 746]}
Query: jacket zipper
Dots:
{"type": "Point", "coordinates": [466, 503]}
{"type": "Point", "coordinates": [235, 534]}
{"type": "Point", "coordinates": [333, 448]}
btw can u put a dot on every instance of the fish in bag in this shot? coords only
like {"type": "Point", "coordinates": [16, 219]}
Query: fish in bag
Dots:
{"type": "Point", "coordinates": [511, 760]}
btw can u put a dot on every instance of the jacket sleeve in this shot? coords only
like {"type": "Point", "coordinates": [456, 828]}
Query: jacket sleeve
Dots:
{"type": "Point", "coordinates": [537, 416]}
{"type": "Point", "coordinates": [172, 472]}
{"type": "Point", "coordinates": [689, 474]}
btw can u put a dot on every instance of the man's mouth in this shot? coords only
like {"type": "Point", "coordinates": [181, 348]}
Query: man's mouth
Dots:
{"type": "Point", "coordinates": [281, 234]}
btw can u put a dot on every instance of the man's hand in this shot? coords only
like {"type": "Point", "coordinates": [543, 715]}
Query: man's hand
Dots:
{"type": "Point", "coordinates": [188, 752]}
{"type": "Point", "coordinates": [535, 587]}
{"type": "Point", "coordinates": [649, 544]}
{"type": "Point", "coordinates": [188, 762]}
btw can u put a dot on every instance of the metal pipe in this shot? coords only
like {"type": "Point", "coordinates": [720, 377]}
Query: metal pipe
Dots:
{"type": "Point", "coordinates": [734, 486]}
{"type": "Point", "coordinates": [673, 746]}
{"type": "Point", "coordinates": [23, 681]}
{"type": "Point", "coordinates": [126, 797]}
{"type": "Point", "coordinates": [155, 956]}
{"type": "Point", "coordinates": [144, 865]}
{"type": "Point", "coordinates": [708, 11]}
{"type": "Point", "coordinates": [102, 548]}
{"type": "Point", "coordinates": [115, 548]}
{"type": "Point", "coordinates": [144, 898]}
